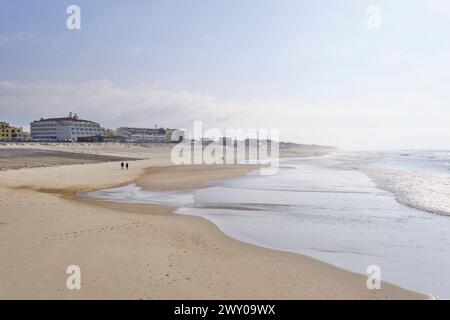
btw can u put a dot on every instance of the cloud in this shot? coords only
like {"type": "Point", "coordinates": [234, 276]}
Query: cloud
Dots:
{"type": "Point", "coordinates": [361, 123]}
{"type": "Point", "coordinates": [144, 106]}
{"type": "Point", "coordinates": [20, 38]}
{"type": "Point", "coordinates": [3, 39]}
{"type": "Point", "coordinates": [137, 50]}
{"type": "Point", "coordinates": [111, 106]}
{"type": "Point", "coordinates": [344, 52]}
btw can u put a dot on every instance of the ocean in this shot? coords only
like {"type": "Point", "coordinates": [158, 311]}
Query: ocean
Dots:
{"type": "Point", "coordinates": [350, 209]}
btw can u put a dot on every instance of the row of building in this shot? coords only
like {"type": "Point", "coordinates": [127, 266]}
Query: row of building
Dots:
{"type": "Point", "coordinates": [74, 129]}
{"type": "Point", "coordinates": [11, 133]}
{"type": "Point", "coordinates": [151, 135]}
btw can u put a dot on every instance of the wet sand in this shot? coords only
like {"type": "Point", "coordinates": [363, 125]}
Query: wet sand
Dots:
{"type": "Point", "coordinates": [141, 251]}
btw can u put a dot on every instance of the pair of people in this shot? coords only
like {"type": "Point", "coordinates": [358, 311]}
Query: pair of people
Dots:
{"type": "Point", "coordinates": [122, 165]}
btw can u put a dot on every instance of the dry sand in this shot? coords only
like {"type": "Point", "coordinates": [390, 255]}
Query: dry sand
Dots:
{"type": "Point", "coordinates": [142, 251]}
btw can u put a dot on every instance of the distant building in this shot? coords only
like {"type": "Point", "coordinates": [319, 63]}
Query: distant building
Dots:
{"type": "Point", "coordinates": [206, 140]}
{"type": "Point", "coordinates": [160, 135]}
{"type": "Point", "coordinates": [23, 136]}
{"type": "Point", "coordinates": [70, 128]}
{"type": "Point", "coordinates": [111, 136]}
{"type": "Point", "coordinates": [174, 135]}
{"type": "Point", "coordinates": [10, 133]}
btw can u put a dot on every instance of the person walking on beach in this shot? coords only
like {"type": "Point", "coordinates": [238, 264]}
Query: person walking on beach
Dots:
{"type": "Point", "coordinates": [121, 165]}
{"type": "Point", "coordinates": [127, 165]}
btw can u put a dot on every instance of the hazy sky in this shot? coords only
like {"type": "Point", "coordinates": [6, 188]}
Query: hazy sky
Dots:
{"type": "Point", "coordinates": [312, 69]}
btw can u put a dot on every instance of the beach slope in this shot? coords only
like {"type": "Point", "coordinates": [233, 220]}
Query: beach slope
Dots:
{"type": "Point", "coordinates": [141, 251]}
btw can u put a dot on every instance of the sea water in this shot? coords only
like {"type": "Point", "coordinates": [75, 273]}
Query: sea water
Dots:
{"type": "Point", "coordinates": [353, 210]}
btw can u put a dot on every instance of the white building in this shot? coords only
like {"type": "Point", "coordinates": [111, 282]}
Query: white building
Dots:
{"type": "Point", "coordinates": [65, 129]}
{"type": "Point", "coordinates": [160, 135]}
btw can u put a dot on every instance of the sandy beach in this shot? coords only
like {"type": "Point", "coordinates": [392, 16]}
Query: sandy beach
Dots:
{"type": "Point", "coordinates": [144, 251]}
{"type": "Point", "coordinates": [32, 158]}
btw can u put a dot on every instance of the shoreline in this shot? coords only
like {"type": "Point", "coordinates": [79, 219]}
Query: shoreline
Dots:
{"type": "Point", "coordinates": [150, 253]}
{"type": "Point", "coordinates": [147, 182]}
